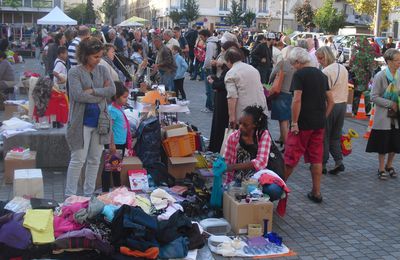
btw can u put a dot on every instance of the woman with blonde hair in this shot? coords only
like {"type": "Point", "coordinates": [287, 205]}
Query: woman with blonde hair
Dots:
{"type": "Point", "coordinates": [338, 83]}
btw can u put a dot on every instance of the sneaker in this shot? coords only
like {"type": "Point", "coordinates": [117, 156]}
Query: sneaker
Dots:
{"type": "Point", "coordinates": [337, 169]}
{"type": "Point", "coordinates": [206, 110]}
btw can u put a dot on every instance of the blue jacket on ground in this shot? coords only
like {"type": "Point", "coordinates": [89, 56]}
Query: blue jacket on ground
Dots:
{"type": "Point", "coordinates": [181, 66]}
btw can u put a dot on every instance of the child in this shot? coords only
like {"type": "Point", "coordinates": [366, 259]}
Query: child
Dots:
{"type": "Point", "coordinates": [137, 55]}
{"type": "Point", "coordinates": [60, 68]}
{"type": "Point", "coordinates": [180, 71]}
{"type": "Point", "coordinates": [120, 136]}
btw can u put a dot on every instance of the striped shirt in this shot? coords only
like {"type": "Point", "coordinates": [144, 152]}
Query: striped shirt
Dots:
{"type": "Point", "coordinates": [72, 51]}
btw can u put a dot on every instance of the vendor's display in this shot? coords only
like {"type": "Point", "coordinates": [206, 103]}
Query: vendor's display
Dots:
{"type": "Point", "coordinates": [13, 161]}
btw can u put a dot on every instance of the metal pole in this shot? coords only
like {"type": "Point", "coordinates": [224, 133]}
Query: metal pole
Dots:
{"type": "Point", "coordinates": [282, 14]}
{"type": "Point", "coordinates": [378, 18]}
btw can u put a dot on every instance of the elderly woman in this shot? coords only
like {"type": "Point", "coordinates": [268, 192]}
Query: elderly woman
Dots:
{"type": "Point", "coordinates": [108, 62]}
{"type": "Point", "coordinates": [281, 104]}
{"type": "Point", "coordinates": [338, 83]}
{"type": "Point", "coordinates": [385, 133]}
{"type": "Point", "coordinates": [88, 128]}
{"type": "Point", "coordinates": [311, 105]}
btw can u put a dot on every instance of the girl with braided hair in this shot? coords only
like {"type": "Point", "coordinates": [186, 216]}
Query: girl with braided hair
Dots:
{"type": "Point", "coordinates": [247, 149]}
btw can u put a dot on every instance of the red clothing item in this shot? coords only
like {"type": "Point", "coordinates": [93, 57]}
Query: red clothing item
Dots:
{"type": "Point", "coordinates": [58, 105]}
{"type": "Point", "coordinates": [259, 163]}
{"type": "Point", "coordinates": [151, 253]}
{"type": "Point", "coordinates": [270, 177]}
{"type": "Point", "coordinates": [376, 48]}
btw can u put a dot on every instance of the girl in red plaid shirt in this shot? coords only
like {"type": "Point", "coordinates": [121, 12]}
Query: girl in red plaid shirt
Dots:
{"type": "Point", "coordinates": [247, 149]}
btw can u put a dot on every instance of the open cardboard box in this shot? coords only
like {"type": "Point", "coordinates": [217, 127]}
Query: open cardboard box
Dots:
{"type": "Point", "coordinates": [11, 164]}
{"type": "Point", "coordinates": [175, 130]}
{"type": "Point", "coordinates": [180, 166]}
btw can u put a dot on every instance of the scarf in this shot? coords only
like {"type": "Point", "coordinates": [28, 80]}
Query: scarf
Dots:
{"type": "Point", "coordinates": [392, 79]}
{"type": "Point", "coordinates": [391, 92]}
{"type": "Point", "coordinates": [129, 135]}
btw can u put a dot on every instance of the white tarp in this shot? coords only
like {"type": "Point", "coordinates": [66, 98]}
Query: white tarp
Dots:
{"type": "Point", "coordinates": [57, 17]}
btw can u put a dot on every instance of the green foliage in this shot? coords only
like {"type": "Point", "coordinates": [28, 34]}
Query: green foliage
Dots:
{"type": "Point", "coordinates": [288, 31]}
{"type": "Point", "coordinates": [12, 3]}
{"type": "Point", "coordinates": [248, 18]}
{"type": "Point", "coordinates": [109, 9]}
{"type": "Point", "coordinates": [90, 15]}
{"type": "Point", "coordinates": [77, 12]}
{"type": "Point", "coordinates": [305, 15]}
{"type": "Point", "coordinates": [191, 10]}
{"type": "Point", "coordinates": [236, 12]}
{"type": "Point", "coordinates": [362, 62]}
{"type": "Point", "coordinates": [175, 16]}
{"type": "Point", "coordinates": [328, 18]}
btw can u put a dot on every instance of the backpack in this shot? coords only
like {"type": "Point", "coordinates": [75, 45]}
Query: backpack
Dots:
{"type": "Point", "coordinates": [149, 141]}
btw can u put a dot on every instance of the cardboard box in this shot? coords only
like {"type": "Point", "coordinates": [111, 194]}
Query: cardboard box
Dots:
{"type": "Point", "coordinates": [180, 166]}
{"type": "Point", "coordinates": [129, 163]}
{"type": "Point", "coordinates": [175, 130]}
{"type": "Point", "coordinates": [241, 214]}
{"type": "Point", "coordinates": [11, 164]}
{"type": "Point", "coordinates": [138, 180]}
{"type": "Point", "coordinates": [9, 110]}
{"type": "Point", "coordinates": [28, 182]}
{"type": "Point", "coordinates": [350, 97]}
{"type": "Point", "coordinates": [254, 230]}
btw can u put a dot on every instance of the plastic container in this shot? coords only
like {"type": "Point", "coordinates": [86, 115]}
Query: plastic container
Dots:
{"type": "Point", "coordinates": [180, 146]}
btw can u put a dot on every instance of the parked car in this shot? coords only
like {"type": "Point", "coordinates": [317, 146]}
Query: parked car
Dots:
{"type": "Point", "coordinates": [304, 35]}
{"type": "Point", "coordinates": [344, 45]}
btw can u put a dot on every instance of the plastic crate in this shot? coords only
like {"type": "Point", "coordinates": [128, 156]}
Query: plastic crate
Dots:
{"type": "Point", "coordinates": [178, 146]}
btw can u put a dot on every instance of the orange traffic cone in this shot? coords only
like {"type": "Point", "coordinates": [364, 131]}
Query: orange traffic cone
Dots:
{"type": "Point", "coordinates": [371, 122]}
{"type": "Point", "coordinates": [361, 114]}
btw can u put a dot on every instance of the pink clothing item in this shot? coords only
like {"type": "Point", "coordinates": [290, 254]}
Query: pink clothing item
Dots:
{"type": "Point", "coordinates": [259, 163]}
{"type": "Point", "coordinates": [65, 222]}
{"type": "Point", "coordinates": [74, 199]}
{"type": "Point", "coordinates": [270, 177]}
{"type": "Point", "coordinates": [119, 196]}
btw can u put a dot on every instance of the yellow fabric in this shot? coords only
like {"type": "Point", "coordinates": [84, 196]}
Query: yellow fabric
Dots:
{"type": "Point", "coordinates": [40, 223]}
{"type": "Point", "coordinates": [144, 203]}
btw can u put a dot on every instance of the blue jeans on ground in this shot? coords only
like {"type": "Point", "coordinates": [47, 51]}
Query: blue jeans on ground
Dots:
{"type": "Point", "coordinates": [167, 79]}
{"type": "Point", "coordinates": [209, 91]}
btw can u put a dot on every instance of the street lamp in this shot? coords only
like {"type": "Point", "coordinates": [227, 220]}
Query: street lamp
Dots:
{"type": "Point", "coordinates": [282, 15]}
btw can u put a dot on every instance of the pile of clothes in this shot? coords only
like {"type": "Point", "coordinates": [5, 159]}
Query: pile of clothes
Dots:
{"type": "Point", "coordinates": [116, 225]}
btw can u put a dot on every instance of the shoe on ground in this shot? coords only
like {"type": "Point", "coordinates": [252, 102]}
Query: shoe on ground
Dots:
{"type": "Point", "coordinates": [313, 198]}
{"type": "Point", "coordinates": [206, 110]}
{"type": "Point", "coordinates": [324, 171]}
{"type": "Point", "coordinates": [337, 169]}
{"type": "Point", "coordinates": [391, 172]}
{"type": "Point", "coordinates": [382, 175]}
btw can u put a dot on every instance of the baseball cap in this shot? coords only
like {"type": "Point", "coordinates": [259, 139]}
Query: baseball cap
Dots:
{"type": "Point", "coordinates": [271, 36]}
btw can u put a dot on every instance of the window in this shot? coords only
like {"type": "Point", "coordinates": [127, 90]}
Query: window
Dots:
{"type": "Point", "coordinates": [262, 6]}
{"type": "Point", "coordinates": [181, 4]}
{"type": "Point", "coordinates": [223, 5]}
{"type": "Point", "coordinates": [42, 3]}
{"type": "Point", "coordinates": [243, 4]}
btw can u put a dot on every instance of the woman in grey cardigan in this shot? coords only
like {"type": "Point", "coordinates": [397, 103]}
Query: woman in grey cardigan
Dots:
{"type": "Point", "coordinates": [385, 133]}
{"type": "Point", "coordinates": [90, 85]}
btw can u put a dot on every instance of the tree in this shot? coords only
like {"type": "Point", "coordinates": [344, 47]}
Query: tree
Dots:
{"type": "Point", "coordinates": [12, 3]}
{"type": "Point", "coordinates": [249, 17]}
{"type": "Point", "coordinates": [175, 16]}
{"type": "Point", "coordinates": [305, 15]}
{"type": "Point", "coordinates": [328, 18]}
{"type": "Point", "coordinates": [190, 10]}
{"type": "Point", "coordinates": [90, 15]}
{"type": "Point", "coordinates": [369, 7]}
{"type": "Point", "coordinates": [109, 9]}
{"type": "Point", "coordinates": [235, 16]}
{"type": "Point", "coordinates": [77, 12]}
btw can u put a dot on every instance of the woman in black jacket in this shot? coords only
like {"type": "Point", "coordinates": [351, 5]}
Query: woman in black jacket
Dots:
{"type": "Point", "coordinates": [220, 119]}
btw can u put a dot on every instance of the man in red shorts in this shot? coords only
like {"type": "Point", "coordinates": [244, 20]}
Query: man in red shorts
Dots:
{"type": "Point", "coordinates": [312, 103]}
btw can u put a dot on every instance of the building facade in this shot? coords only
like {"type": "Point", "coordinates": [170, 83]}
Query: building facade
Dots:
{"type": "Point", "coordinates": [26, 12]}
{"type": "Point", "coordinates": [394, 29]}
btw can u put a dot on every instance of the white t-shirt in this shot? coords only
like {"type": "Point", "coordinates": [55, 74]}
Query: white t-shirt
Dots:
{"type": "Point", "coordinates": [60, 68]}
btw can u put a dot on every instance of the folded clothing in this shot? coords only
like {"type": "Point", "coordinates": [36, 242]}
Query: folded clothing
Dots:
{"type": "Point", "coordinates": [150, 253]}
{"type": "Point", "coordinates": [175, 249]}
{"type": "Point", "coordinates": [40, 223]}
{"type": "Point", "coordinates": [95, 208]}
{"type": "Point", "coordinates": [65, 221]}
{"type": "Point", "coordinates": [160, 199]}
{"type": "Point", "coordinates": [169, 230]}
{"type": "Point", "coordinates": [12, 232]}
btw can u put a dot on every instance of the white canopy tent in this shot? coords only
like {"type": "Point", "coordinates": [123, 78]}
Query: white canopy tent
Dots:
{"type": "Point", "coordinates": [57, 17]}
{"type": "Point", "coordinates": [129, 24]}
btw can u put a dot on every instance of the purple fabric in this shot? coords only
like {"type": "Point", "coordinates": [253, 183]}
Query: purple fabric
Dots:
{"type": "Point", "coordinates": [85, 232]}
{"type": "Point", "coordinates": [12, 232]}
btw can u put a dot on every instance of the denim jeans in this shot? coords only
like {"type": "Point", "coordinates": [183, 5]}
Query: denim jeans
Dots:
{"type": "Point", "coordinates": [209, 91]}
{"type": "Point", "coordinates": [198, 70]}
{"type": "Point", "coordinates": [91, 154]}
{"type": "Point", "coordinates": [167, 79]}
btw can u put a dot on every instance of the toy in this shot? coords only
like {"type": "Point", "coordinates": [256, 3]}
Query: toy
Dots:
{"type": "Point", "coordinates": [346, 141]}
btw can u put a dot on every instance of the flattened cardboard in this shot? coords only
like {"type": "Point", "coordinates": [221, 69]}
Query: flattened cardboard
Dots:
{"type": "Point", "coordinates": [349, 108]}
{"type": "Point", "coordinates": [175, 130]}
{"type": "Point", "coordinates": [180, 166]}
{"type": "Point", "coordinates": [241, 214]}
{"type": "Point", "coordinates": [12, 164]}
{"type": "Point", "coordinates": [28, 182]}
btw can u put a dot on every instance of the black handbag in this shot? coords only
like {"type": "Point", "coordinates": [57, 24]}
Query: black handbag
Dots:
{"type": "Point", "coordinates": [276, 162]}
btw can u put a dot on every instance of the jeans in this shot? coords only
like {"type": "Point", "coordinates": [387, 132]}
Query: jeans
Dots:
{"type": "Point", "coordinates": [167, 79]}
{"type": "Point", "coordinates": [91, 154]}
{"type": "Point", "coordinates": [179, 88]}
{"type": "Point", "coordinates": [333, 132]}
{"type": "Point", "coordinates": [209, 91]}
{"type": "Point", "coordinates": [191, 60]}
{"type": "Point", "coordinates": [198, 70]}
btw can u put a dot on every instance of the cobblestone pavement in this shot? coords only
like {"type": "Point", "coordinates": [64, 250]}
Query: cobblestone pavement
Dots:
{"type": "Point", "coordinates": [358, 218]}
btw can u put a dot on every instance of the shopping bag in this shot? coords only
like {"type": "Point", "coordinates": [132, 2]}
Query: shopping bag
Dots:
{"type": "Point", "coordinates": [228, 132]}
{"type": "Point", "coordinates": [112, 162]}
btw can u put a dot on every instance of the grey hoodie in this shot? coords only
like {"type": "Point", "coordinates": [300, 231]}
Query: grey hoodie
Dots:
{"type": "Point", "coordinates": [211, 51]}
